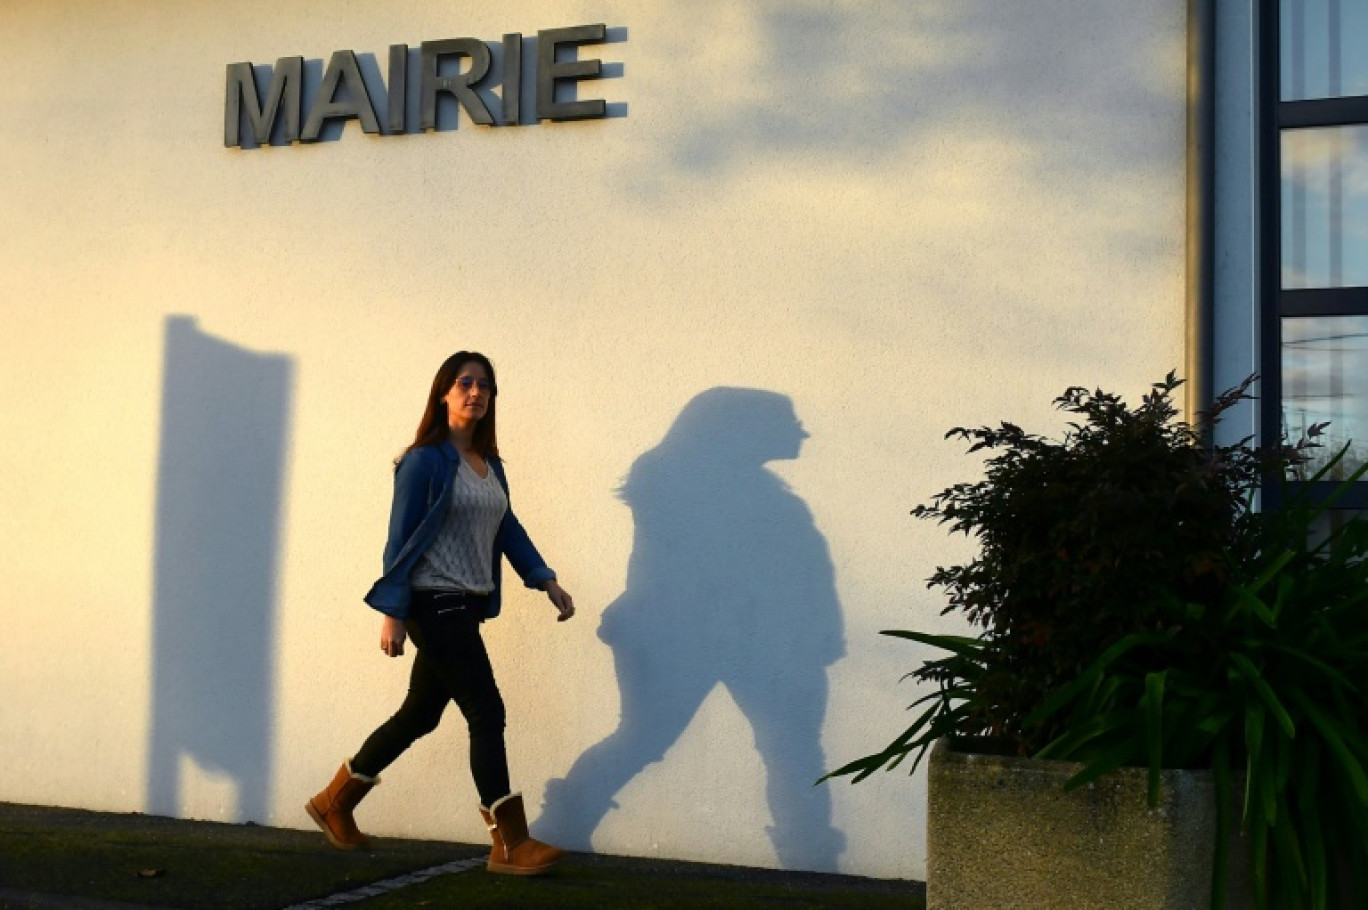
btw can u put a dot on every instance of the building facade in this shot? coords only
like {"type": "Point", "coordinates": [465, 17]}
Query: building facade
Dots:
{"type": "Point", "coordinates": [740, 267]}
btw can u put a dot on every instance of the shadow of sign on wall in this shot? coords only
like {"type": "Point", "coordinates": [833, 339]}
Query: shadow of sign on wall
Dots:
{"type": "Point", "coordinates": [729, 583]}
{"type": "Point", "coordinates": [221, 465]}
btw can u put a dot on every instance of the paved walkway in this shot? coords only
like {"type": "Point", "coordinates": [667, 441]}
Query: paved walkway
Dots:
{"type": "Point", "coordinates": [78, 860]}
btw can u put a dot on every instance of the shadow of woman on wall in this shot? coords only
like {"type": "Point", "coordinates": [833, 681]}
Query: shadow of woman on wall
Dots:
{"type": "Point", "coordinates": [729, 582]}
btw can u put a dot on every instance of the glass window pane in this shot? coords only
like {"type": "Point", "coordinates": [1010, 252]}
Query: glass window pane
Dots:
{"type": "Point", "coordinates": [1325, 380]}
{"type": "Point", "coordinates": [1322, 48]}
{"type": "Point", "coordinates": [1332, 520]}
{"type": "Point", "coordinates": [1325, 207]}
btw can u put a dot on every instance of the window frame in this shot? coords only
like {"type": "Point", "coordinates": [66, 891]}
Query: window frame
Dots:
{"type": "Point", "coordinates": [1275, 302]}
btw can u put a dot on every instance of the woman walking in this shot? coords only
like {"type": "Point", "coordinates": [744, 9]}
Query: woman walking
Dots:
{"type": "Point", "coordinates": [450, 524]}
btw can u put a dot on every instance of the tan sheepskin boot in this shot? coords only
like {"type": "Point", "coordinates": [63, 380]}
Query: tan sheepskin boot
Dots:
{"type": "Point", "coordinates": [515, 853]}
{"type": "Point", "coordinates": [332, 809]}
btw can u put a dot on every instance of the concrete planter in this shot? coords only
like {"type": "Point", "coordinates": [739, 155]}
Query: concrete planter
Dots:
{"type": "Point", "coordinates": [1002, 833]}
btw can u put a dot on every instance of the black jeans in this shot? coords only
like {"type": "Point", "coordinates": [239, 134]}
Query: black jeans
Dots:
{"type": "Point", "coordinates": [451, 665]}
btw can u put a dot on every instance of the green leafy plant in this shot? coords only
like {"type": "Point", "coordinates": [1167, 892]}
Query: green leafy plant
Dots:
{"type": "Point", "coordinates": [1135, 609]}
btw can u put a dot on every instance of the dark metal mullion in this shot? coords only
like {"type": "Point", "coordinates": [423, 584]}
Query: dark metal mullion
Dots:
{"type": "Point", "coordinates": [1269, 282]}
{"type": "Point", "coordinates": [1323, 302]}
{"type": "Point", "coordinates": [1356, 497]}
{"type": "Point", "coordinates": [1322, 112]}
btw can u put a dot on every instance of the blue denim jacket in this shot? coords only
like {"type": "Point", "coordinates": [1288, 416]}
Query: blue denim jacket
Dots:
{"type": "Point", "coordinates": [422, 486]}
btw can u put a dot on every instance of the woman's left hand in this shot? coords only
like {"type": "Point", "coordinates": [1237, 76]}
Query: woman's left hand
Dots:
{"type": "Point", "coordinates": [561, 600]}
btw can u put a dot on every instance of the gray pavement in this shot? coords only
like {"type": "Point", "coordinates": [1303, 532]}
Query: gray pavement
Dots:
{"type": "Point", "coordinates": [80, 860]}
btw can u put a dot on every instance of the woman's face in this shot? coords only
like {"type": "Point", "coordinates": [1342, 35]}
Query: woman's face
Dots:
{"type": "Point", "coordinates": [468, 398]}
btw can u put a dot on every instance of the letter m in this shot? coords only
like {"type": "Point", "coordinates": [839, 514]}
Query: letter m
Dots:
{"type": "Point", "coordinates": [241, 95]}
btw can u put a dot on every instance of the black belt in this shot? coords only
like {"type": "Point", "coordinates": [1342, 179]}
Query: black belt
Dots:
{"type": "Point", "coordinates": [438, 603]}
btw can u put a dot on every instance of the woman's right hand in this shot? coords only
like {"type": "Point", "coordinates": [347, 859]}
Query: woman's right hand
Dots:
{"type": "Point", "coordinates": [392, 636]}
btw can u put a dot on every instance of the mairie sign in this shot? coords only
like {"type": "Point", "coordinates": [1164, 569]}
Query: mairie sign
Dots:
{"type": "Point", "coordinates": [342, 93]}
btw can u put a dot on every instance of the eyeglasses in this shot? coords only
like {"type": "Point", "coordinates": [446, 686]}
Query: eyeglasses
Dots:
{"type": "Point", "coordinates": [467, 383]}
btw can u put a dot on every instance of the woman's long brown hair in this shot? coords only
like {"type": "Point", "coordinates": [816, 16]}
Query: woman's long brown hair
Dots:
{"type": "Point", "coordinates": [434, 428]}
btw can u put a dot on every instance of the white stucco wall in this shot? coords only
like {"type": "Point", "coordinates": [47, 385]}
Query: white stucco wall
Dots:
{"type": "Point", "coordinates": [901, 216]}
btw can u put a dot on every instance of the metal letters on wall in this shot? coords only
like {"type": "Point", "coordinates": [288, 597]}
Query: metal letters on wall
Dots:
{"type": "Point", "coordinates": [342, 92]}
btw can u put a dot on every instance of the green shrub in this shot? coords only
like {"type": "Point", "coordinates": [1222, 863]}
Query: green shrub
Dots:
{"type": "Point", "coordinates": [1134, 608]}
